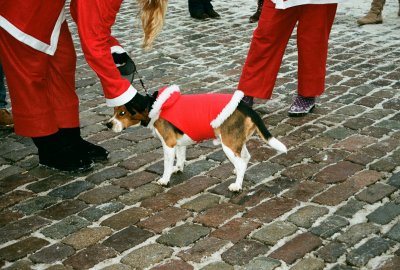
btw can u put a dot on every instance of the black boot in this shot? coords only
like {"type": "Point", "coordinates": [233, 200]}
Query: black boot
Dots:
{"type": "Point", "coordinates": [256, 16]}
{"type": "Point", "coordinates": [92, 151]}
{"type": "Point", "coordinates": [209, 10]}
{"type": "Point", "coordinates": [196, 10]}
{"type": "Point", "coordinates": [56, 153]}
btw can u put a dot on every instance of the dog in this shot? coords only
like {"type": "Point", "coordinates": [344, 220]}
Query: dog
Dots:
{"type": "Point", "coordinates": [231, 123]}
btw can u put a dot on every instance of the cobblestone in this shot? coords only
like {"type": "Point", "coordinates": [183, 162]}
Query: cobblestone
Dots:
{"type": "Point", "coordinates": [332, 202]}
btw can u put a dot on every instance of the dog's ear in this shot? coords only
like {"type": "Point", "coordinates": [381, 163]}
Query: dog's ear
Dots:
{"type": "Point", "coordinates": [137, 104]}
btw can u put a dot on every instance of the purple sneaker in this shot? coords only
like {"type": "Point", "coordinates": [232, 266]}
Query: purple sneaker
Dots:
{"type": "Point", "coordinates": [302, 106]}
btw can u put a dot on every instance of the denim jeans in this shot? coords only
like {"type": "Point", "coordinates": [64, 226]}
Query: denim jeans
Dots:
{"type": "Point", "coordinates": [3, 102]}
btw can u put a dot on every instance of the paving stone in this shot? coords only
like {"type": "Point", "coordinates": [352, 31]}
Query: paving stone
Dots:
{"type": "Point", "coordinates": [261, 171]}
{"type": "Point", "coordinates": [386, 164]}
{"type": "Point", "coordinates": [89, 257]}
{"type": "Point", "coordinates": [202, 248]}
{"type": "Point", "coordinates": [271, 209]}
{"type": "Point", "coordinates": [373, 247]}
{"type": "Point", "coordinates": [306, 216]}
{"type": "Point", "coordinates": [63, 209]}
{"type": "Point", "coordinates": [51, 254]}
{"type": "Point", "coordinates": [305, 190]}
{"type": "Point", "coordinates": [331, 252]}
{"type": "Point", "coordinates": [145, 256]}
{"type": "Point", "coordinates": [22, 248]}
{"type": "Point", "coordinates": [126, 218]}
{"type": "Point", "coordinates": [223, 171]}
{"type": "Point", "coordinates": [297, 247]}
{"type": "Point", "coordinates": [22, 227]}
{"type": "Point", "coordinates": [164, 219]}
{"type": "Point", "coordinates": [102, 194]}
{"type": "Point", "coordinates": [35, 204]}
{"type": "Point", "coordinates": [357, 232]}
{"type": "Point", "coordinates": [390, 264]}
{"type": "Point", "coordinates": [20, 265]}
{"type": "Point", "coordinates": [217, 215]}
{"type": "Point", "coordinates": [394, 180]}
{"type": "Point", "coordinates": [375, 193]}
{"type": "Point", "coordinates": [135, 180]}
{"type": "Point", "coordinates": [394, 232]}
{"type": "Point", "coordinates": [338, 172]}
{"type": "Point", "coordinates": [87, 237]}
{"type": "Point", "coordinates": [339, 133]}
{"type": "Point", "coordinates": [11, 182]}
{"type": "Point", "coordinates": [243, 252]}
{"type": "Point", "coordinates": [261, 263]}
{"type": "Point", "coordinates": [107, 174]}
{"type": "Point", "coordinates": [236, 229]}
{"type": "Point", "coordinates": [350, 208]}
{"type": "Point", "coordinates": [252, 197]}
{"type": "Point", "coordinates": [174, 265]}
{"type": "Point", "coordinates": [138, 161]}
{"type": "Point", "coordinates": [8, 216]}
{"type": "Point", "coordinates": [49, 183]}
{"type": "Point", "coordinates": [270, 234]}
{"type": "Point", "coordinates": [183, 235]}
{"type": "Point", "coordinates": [160, 202]}
{"type": "Point", "coordinates": [294, 156]}
{"type": "Point", "coordinates": [141, 193]}
{"type": "Point", "coordinates": [193, 186]}
{"type": "Point", "coordinates": [71, 190]}
{"type": "Point", "coordinates": [385, 213]}
{"type": "Point", "coordinates": [309, 264]}
{"type": "Point", "coordinates": [127, 238]}
{"type": "Point", "coordinates": [330, 226]}
{"type": "Point", "coordinates": [301, 171]}
{"type": "Point", "coordinates": [119, 266]}
{"type": "Point", "coordinates": [64, 227]}
{"type": "Point", "coordinates": [94, 213]}
{"type": "Point", "coordinates": [355, 142]}
{"type": "Point", "coordinates": [217, 266]}
{"type": "Point", "coordinates": [201, 203]}
{"type": "Point", "coordinates": [14, 198]}
{"type": "Point", "coordinates": [342, 267]}
{"type": "Point", "coordinates": [342, 191]}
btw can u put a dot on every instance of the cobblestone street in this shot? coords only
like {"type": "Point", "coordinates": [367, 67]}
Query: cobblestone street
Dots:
{"type": "Point", "coordinates": [331, 202]}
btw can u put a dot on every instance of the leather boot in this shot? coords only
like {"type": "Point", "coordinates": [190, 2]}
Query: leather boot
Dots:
{"type": "Point", "coordinates": [5, 118]}
{"type": "Point", "coordinates": [209, 10]}
{"type": "Point", "coordinates": [374, 15]}
{"type": "Point", "coordinates": [59, 154]}
{"type": "Point", "coordinates": [85, 148]}
{"type": "Point", "coordinates": [398, 13]}
{"type": "Point", "coordinates": [256, 16]}
{"type": "Point", "coordinates": [196, 10]}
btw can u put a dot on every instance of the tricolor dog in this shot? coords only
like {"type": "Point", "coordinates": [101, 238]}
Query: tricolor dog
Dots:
{"type": "Point", "coordinates": [181, 120]}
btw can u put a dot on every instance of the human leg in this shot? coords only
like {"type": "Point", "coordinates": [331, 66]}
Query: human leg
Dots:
{"type": "Point", "coordinates": [374, 15]}
{"type": "Point", "coordinates": [266, 51]}
{"type": "Point", "coordinates": [196, 9]}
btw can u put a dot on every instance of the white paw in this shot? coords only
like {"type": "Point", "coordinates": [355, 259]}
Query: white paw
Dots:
{"type": "Point", "coordinates": [234, 187]}
{"type": "Point", "coordinates": [234, 171]}
{"type": "Point", "coordinates": [163, 182]}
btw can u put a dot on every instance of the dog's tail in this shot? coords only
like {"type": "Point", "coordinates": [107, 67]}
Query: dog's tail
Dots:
{"type": "Point", "coordinates": [261, 128]}
{"type": "Point", "coordinates": [152, 16]}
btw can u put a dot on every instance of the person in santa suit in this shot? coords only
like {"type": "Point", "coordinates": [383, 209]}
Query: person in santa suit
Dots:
{"type": "Point", "coordinates": [314, 19]}
{"type": "Point", "coordinates": [39, 62]}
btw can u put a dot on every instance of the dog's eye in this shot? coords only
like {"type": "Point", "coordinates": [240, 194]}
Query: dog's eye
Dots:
{"type": "Point", "coordinates": [122, 113]}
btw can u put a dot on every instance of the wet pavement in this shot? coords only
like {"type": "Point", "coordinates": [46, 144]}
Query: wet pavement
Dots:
{"type": "Point", "coordinates": [331, 202]}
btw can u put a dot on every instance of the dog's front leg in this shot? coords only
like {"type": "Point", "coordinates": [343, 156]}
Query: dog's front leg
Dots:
{"type": "Point", "coordinates": [169, 156]}
{"type": "Point", "coordinates": [180, 158]}
{"type": "Point", "coordinates": [240, 165]}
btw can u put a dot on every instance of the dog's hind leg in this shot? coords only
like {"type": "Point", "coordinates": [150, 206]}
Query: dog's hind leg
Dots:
{"type": "Point", "coordinates": [169, 156]}
{"type": "Point", "coordinates": [180, 158]}
{"type": "Point", "coordinates": [240, 164]}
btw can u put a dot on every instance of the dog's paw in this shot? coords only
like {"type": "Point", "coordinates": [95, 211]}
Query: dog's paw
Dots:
{"type": "Point", "coordinates": [234, 171]}
{"type": "Point", "coordinates": [234, 187]}
{"type": "Point", "coordinates": [163, 182]}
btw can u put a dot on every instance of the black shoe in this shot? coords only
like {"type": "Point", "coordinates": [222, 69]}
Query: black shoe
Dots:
{"type": "Point", "coordinates": [199, 16]}
{"type": "Point", "coordinates": [58, 154]}
{"type": "Point", "coordinates": [213, 14]}
{"type": "Point", "coordinates": [90, 150]}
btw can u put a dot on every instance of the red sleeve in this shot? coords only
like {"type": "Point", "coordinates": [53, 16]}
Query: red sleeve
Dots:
{"type": "Point", "coordinates": [94, 19]}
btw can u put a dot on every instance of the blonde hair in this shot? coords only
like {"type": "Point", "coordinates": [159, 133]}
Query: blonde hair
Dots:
{"type": "Point", "coordinates": [152, 15]}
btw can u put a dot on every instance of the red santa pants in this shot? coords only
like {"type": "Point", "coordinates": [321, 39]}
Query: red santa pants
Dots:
{"type": "Point", "coordinates": [41, 86]}
{"type": "Point", "coordinates": [269, 42]}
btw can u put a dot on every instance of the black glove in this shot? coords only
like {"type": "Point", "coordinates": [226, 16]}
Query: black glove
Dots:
{"type": "Point", "coordinates": [125, 65]}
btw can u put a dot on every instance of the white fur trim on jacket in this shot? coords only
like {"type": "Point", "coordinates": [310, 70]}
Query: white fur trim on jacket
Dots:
{"type": "Point", "coordinates": [284, 4]}
{"type": "Point", "coordinates": [33, 42]}
{"type": "Point", "coordinates": [117, 49]}
{"type": "Point", "coordinates": [228, 109]}
{"type": "Point", "coordinates": [161, 99]}
{"type": "Point", "coordinates": [122, 99]}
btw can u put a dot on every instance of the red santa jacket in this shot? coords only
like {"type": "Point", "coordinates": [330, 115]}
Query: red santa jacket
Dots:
{"type": "Point", "coordinates": [36, 23]}
{"type": "Point", "coordinates": [196, 115]}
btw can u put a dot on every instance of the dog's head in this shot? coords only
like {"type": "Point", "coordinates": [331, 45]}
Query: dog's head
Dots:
{"type": "Point", "coordinates": [134, 113]}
